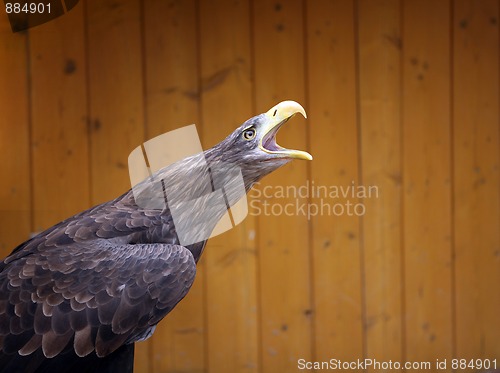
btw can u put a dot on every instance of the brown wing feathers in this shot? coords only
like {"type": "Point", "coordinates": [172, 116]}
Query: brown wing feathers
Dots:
{"type": "Point", "coordinates": [89, 296]}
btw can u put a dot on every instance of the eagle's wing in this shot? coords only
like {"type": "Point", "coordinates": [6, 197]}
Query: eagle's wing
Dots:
{"type": "Point", "coordinates": [89, 296]}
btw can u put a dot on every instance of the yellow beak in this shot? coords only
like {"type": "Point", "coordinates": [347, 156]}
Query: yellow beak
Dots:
{"type": "Point", "coordinates": [274, 119]}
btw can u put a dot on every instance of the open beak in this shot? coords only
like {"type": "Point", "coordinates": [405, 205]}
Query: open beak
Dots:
{"type": "Point", "coordinates": [274, 119]}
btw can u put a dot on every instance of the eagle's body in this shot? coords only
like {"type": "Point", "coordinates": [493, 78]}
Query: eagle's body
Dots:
{"type": "Point", "coordinates": [78, 295]}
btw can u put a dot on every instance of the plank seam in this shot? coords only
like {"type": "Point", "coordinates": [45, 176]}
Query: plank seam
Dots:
{"type": "Point", "coordinates": [403, 184]}
{"type": "Point", "coordinates": [29, 87]}
{"type": "Point", "coordinates": [359, 143]}
{"type": "Point", "coordinates": [453, 268]}
{"type": "Point", "coordinates": [258, 282]}
{"type": "Point", "coordinates": [310, 238]}
{"type": "Point", "coordinates": [88, 103]}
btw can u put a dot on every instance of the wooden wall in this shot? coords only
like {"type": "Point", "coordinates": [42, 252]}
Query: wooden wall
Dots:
{"type": "Point", "coordinates": [401, 95]}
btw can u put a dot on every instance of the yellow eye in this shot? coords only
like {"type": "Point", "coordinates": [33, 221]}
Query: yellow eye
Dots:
{"type": "Point", "coordinates": [249, 133]}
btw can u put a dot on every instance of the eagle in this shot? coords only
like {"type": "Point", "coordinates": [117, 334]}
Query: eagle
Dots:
{"type": "Point", "coordinates": [77, 296]}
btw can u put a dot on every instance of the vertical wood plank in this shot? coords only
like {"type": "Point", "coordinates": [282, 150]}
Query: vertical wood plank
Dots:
{"type": "Point", "coordinates": [15, 189]}
{"type": "Point", "coordinates": [226, 99]}
{"type": "Point", "coordinates": [334, 146]}
{"type": "Point", "coordinates": [379, 79]}
{"type": "Point", "coordinates": [116, 93]}
{"type": "Point", "coordinates": [283, 241]}
{"type": "Point", "coordinates": [178, 344]}
{"type": "Point", "coordinates": [427, 192]}
{"type": "Point", "coordinates": [116, 104]}
{"type": "Point", "coordinates": [476, 177]}
{"type": "Point", "coordinates": [59, 121]}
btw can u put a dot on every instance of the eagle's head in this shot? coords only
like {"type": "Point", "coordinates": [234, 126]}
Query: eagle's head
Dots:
{"type": "Point", "coordinates": [252, 147]}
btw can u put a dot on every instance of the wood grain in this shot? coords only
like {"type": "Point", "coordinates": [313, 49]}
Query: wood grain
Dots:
{"type": "Point", "coordinates": [338, 302]}
{"type": "Point", "coordinates": [380, 114]}
{"type": "Point", "coordinates": [283, 251]}
{"type": "Point", "coordinates": [427, 181]}
{"type": "Point", "coordinates": [476, 177]}
{"type": "Point", "coordinates": [116, 122]}
{"type": "Point", "coordinates": [15, 167]}
{"type": "Point", "coordinates": [59, 126]}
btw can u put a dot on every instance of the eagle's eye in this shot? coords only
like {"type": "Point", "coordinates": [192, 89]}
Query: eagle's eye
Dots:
{"type": "Point", "coordinates": [249, 133]}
